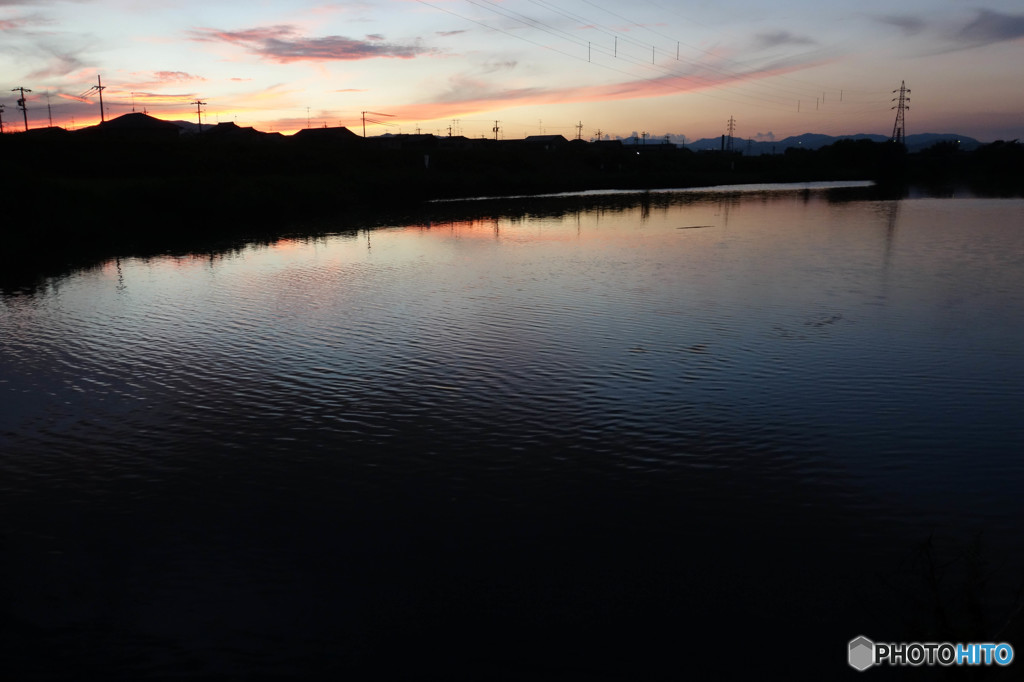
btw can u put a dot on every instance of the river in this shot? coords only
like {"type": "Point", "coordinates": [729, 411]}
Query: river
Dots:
{"type": "Point", "coordinates": [687, 432]}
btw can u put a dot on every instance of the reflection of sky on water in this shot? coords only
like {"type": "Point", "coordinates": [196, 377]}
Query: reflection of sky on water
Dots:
{"type": "Point", "coordinates": [849, 329]}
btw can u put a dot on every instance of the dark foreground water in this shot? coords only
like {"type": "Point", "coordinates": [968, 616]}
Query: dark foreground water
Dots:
{"type": "Point", "coordinates": [712, 436]}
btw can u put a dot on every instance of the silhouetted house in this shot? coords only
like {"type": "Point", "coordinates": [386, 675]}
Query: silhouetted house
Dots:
{"type": "Point", "coordinates": [614, 145]}
{"type": "Point", "coordinates": [455, 142]}
{"type": "Point", "coordinates": [334, 136]}
{"type": "Point", "coordinates": [135, 126]}
{"type": "Point", "coordinates": [232, 131]}
{"type": "Point", "coordinates": [50, 133]}
{"type": "Point", "coordinates": [546, 142]}
{"type": "Point", "coordinates": [403, 141]}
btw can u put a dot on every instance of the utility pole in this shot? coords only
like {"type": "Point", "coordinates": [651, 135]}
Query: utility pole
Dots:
{"type": "Point", "coordinates": [899, 131]}
{"type": "Point", "coordinates": [644, 136]}
{"type": "Point", "coordinates": [495, 129]}
{"type": "Point", "coordinates": [100, 88]}
{"type": "Point", "coordinates": [375, 113]}
{"type": "Point", "coordinates": [579, 130]}
{"type": "Point", "coordinates": [199, 112]}
{"type": "Point", "coordinates": [732, 129]}
{"type": "Point", "coordinates": [598, 134]}
{"type": "Point", "coordinates": [21, 104]}
{"type": "Point", "coordinates": [1, 119]}
{"type": "Point", "coordinates": [49, 112]}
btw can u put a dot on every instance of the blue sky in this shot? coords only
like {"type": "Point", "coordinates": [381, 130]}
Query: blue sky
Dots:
{"type": "Point", "coordinates": [567, 67]}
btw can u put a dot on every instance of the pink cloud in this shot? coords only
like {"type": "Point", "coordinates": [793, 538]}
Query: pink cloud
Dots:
{"type": "Point", "coordinates": [284, 44]}
{"type": "Point", "coordinates": [176, 76]}
{"type": "Point", "coordinates": [470, 96]}
{"type": "Point", "coordinates": [17, 23]}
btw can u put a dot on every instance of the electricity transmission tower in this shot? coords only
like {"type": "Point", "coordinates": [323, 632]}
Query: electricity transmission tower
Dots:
{"type": "Point", "coordinates": [732, 129]}
{"type": "Point", "coordinates": [21, 104]}
{"type": "Point", "coordinates": [899, 131]}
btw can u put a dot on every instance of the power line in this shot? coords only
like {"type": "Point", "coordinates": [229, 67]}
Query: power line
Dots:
{"type": "Point", "coordinates": [627, 38]}
{"type": "Point", "coordinates": [689, 19]}
{"type": "Point", "coordinates": [777, 102]}
{"type": "Point", "coordinates": [614, 53]}
{"type": "Point", "coordinates": [709, 80]}
{"type": "Point", "coordinates": [96, 90]}
{"type": "Point", "coordinates": [374, 121]}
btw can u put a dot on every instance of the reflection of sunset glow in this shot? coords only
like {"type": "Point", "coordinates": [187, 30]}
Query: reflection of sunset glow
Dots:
{"type": "Point", "coordinates": [289, 244]}
{"type": "Point", "coordinates": [483, 228]}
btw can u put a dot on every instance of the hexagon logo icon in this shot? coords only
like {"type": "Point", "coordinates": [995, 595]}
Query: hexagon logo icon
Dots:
{"type": "Point", "coordinates": [862, 653]}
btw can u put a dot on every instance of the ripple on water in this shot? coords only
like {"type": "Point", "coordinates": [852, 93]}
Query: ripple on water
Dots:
{"type": "Point", "coordinates": [556, 433]}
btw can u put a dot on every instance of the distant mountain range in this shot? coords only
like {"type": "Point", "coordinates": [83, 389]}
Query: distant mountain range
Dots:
{"type": "Point", "coordinates": [914, 143]}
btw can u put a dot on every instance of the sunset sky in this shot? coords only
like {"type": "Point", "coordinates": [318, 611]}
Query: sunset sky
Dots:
{"type": "Point", "coordinates": [620, 67]}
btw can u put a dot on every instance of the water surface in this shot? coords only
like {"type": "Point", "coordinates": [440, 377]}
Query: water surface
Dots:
{"type": "Point", "coordinates": [549, 444]}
